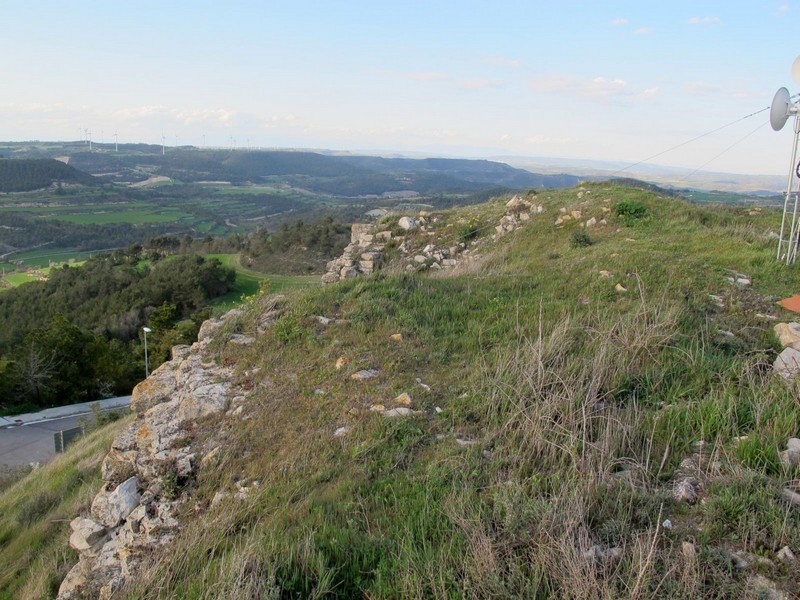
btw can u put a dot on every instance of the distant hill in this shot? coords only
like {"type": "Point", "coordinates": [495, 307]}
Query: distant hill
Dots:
{"type": "Point", "coordinates": [343, 176]}
{"type": "Point", "coordinates": [26, 174]}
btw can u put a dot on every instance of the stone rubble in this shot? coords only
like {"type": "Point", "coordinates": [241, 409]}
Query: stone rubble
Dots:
{"type": "Point", "coordinates": [362, 256]}
{"type": "Point", "coordinates": [135, 512]}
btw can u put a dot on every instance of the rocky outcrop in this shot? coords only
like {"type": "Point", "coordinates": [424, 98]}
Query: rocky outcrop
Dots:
{"type": "Point", "coordinates": [362, 256]}
{"type": "Point", "coordinates": [135, 511]}
{"type": "Point", "coordinates": [518, 212]}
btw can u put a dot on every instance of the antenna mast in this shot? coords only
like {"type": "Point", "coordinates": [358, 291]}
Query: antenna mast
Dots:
{"type": "Point", "coordinates": [782, 108]}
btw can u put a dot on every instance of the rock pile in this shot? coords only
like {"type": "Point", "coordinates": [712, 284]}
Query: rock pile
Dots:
{"type": "Point", "coordinates": [361, 256]}
{"type": "Point", "coordinates": [135, 511]}
{"type": "Point", "coordinates": [518, 212]}
{"type": "Point", "coordinates": [787, 365]}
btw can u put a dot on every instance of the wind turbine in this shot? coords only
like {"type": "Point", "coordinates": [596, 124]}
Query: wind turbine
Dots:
{"type": "Point", "coordinates": [116, 140]}
{"type": "Point", "coordinates": [163, 144]}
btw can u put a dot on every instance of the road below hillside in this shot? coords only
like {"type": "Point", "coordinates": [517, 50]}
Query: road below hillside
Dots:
{"type": "Point", "coordinates": [29, 438]}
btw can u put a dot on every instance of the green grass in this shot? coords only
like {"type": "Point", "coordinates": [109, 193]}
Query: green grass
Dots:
{"type": "Point", "coordinates": [16, 279]}
{"type": "Point", "coordinates": [42, 257]}
{"type": "Point", "coordinates": [248, 282]}
{"type": "Point", "coordinates": [561, 383]}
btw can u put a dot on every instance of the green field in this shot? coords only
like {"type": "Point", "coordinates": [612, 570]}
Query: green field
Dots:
{"type": "Point", "coordinates": [248, 282]}
{"type": "Point", "coordinates": [16, 279]}
{"type": "Point", "coordinates": [43, 257]}
{"type": "Point", "coordinates": [101, 214]}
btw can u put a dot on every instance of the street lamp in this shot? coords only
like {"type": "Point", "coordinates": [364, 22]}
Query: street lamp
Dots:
{"type": "Point", "coordinates": [146, 363]}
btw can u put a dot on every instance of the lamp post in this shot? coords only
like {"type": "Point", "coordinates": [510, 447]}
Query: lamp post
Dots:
{"type": "Point", "coordinates": [146, 362]}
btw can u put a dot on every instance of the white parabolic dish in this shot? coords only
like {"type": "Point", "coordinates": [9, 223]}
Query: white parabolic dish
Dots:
{"type": "Point", "coordinates": [779, 111]}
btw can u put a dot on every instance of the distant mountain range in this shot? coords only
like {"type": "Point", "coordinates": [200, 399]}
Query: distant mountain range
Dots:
{"type": "Point", "coordinates": [339, 176]}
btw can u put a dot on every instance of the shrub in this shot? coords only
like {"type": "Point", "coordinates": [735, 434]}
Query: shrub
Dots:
{"type": "Point", "coordinates": [580, 239]}
{"type": "Point", "coordinates": [469, 231]}
{"type": "Point", "coordinates": [630, 211]}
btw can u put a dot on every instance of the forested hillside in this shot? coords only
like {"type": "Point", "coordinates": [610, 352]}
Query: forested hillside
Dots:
{"type": "Point", "coordinates": [75, 337]}
{"type": "Point", "coordinates": [22, 175]}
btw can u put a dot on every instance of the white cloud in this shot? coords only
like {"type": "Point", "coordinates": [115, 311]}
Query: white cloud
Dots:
{"type": "Point", "coordinates": [619, 22]}
{"type": "Point", "coordinates": [703, 20]}
{"type": "Point", "coordinates": [479, 84]}
{"type": "Point", "coordinates": [700, 88]}
{"type": "Point", "coordinates": [643, 31]}
{"type": "Point", "coordinates": [501, 61]}
{"type": "Point", "coordinates": [598, 89]}
{"type": "Point", "coordinates": [427, 76]}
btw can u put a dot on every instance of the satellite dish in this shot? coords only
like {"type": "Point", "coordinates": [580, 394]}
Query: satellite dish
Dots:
{"type": "Point", "coordinates": [796, 69]}
{"type": "Point", "coordinates": [779, 111]}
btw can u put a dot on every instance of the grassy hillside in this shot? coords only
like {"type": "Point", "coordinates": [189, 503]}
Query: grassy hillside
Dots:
{"type": "Point", "coordinates": [35, 514]}
{"type": "Point", "coordinates": [567, 380]}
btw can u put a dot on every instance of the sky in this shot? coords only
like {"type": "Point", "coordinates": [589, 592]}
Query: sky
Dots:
{"type": "Point", "coordinates": [613, 80]}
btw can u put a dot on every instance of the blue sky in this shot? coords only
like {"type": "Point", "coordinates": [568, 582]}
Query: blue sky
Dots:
{"type": "Point", "coordinates": [617, 80]}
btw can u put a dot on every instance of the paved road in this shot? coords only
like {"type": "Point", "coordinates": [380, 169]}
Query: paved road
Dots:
{"type": "Point", "coordinates": [29, 438]}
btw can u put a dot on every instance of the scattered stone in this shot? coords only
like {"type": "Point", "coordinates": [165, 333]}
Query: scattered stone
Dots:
{"type": "Point", "coordinates": [365, 374]}
{"type": "Point", "coordinates": [438, 410]}
{"type": "Point", "coordinates": [788, 334]}
{"type": "Point", "coordinates": [324, 320]}
{"type": "Point", "coordinates": [620, 288]}
{"type": "Point", "coordinates": [424, 386]}
{"type": "Point", "coordinates": [341, 432]}
{"type": "Point", "coordinates": [219, 497]}
{"type": "Point", "coordinates": [396, 337]}
{"type": "Point", "coordinates": [786, 556]}
{"type": "Point", "coordinates": [591, 222]}
{"type": "Point", "coordinates": [717, 300]}
{"type": "Point", "coordinates": [605, 274]}
{"type": "Point", "coordinates": [792, 496]}
{"type": "Point", "coordinates": [377, 408]}
{"type": "Point", "coordinates": [685, 490]}
{"type": "Point", "coordinates": [340, 362]}
{"type": "Point", "coordinates": [401, 411]}
{"type": "Point", "coordinates": [667, 524]}
{"type": "Point", "coordinates": [602, 555]}
{"type": "Point", "coordinates": [403, 399]}
{"type": "Point", "coordinates": [688, 550]}
{"type": "Point", "coordinates": [791, 456]}
{"type": "Point", "coordinates": [407, 223]}
{"type": "Point", "coordinates": [787, 365]}
{"type": "Point", "coordinates": [241, 340]}
{"type": "Point", "coordinates": [211, 455]}
{"type": "Point", "coordinates": [465, 442]}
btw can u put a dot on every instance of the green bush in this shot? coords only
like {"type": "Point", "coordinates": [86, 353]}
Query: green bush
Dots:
{"type": "Point", "coordinates": [630, 211]}
{"type": "Point", "coordinates": [580, 239]}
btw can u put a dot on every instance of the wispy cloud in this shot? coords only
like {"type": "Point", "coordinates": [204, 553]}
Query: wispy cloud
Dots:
{"type": "Point", "coordinates": [427, 76]}
{"type": "Point", "coordinates": [502, 61]}
{"type": "Point", "coordinates": [703, 20]}
{"type": "Point", "coordinates": [599, 88]}
{"type": "Point", "coordinates": [479, 84]}
{"type": "Point", "coordinates": [619, 22]}
{"type": "Point", "coordinates": [644, 31]}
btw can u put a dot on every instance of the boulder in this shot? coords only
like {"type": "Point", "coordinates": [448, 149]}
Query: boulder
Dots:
{"type": "Point", "coordinates": [86, 533]}
{"type": "Point", "coordinates": [110, 508]}
{"type": "Point", "coordinates": [407, 223]}
{"type": "Point", "coordinates": [157, 388]}
{"type": "Point", "coordinates": [788, 335]}
{"type": "Point", "coordinates": [787, 365]}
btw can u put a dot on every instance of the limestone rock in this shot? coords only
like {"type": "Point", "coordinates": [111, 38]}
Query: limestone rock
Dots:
{"type": "Point", "coordinates": [407, 223]}
{"type": "Point", "coordinates": [400, 411]}
{"type": "Point", "coordinates": [157, 388]}
{"type": "Point", "coordinates": [110, 508]}
{"type": "Point", "coordinates": [74, 583]}
{"type": "Point", "coordinates": [340, 362]}
{"type": "Point", "coordinates": [396, 337]}
{"type": "Point", "coordinates": [365, 374]}
{"type": "Point", "coordinates": [786, 556]}
{"type": "Point", "coordinates": [688, 550]}
{"type": "Point", "coordinates": [591, 222]}
{"type": "Point", "coordinates": [341, 432]}
{"type": "Point", "coordinates": [787, 365]}
{"type": "Point", "coordinates": [788, 334]}
{"type": "Point", "coordinates": [620, 288]}
{"type": "Point", "coordinates": [791, 457]}
{"type": "Point", "coordinates": [685, 490]}
{"type": "Point", "coordinates": [85, 533]}
{"type": "Point", "coordinates": [403, 399]}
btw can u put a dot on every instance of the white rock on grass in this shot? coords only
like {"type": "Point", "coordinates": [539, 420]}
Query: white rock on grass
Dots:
{"type": "Point", "coordinates": [365, 374]}
{"type": "Point", "coordinates": [787, 365]}
{"type": "Point", "coordinates": [407, 223]}
{"type": "Point", "coordinates": [86, 533]}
